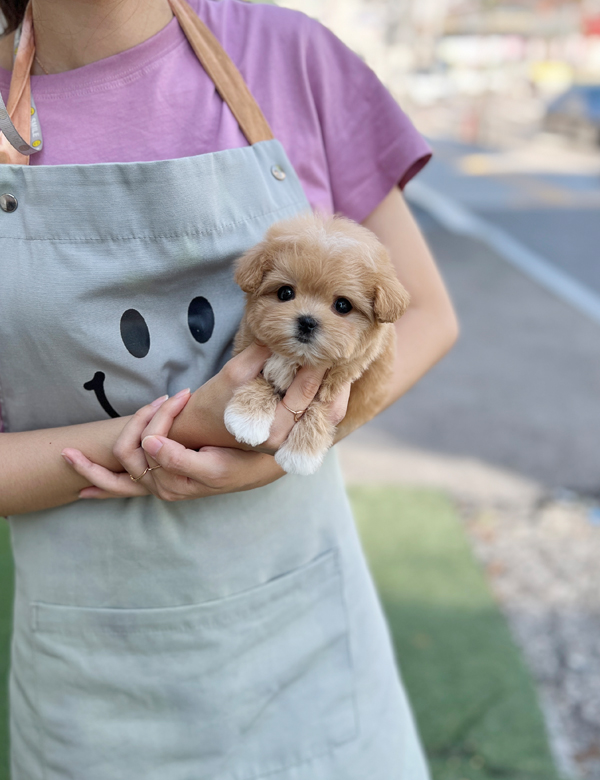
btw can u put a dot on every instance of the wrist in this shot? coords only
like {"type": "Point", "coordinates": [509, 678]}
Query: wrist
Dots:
{"type": "Point", "coordinates": [187, 426]}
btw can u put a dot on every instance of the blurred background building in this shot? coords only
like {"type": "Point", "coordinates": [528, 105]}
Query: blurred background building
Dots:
{"type": "Point", "coordinates": [481, 71]}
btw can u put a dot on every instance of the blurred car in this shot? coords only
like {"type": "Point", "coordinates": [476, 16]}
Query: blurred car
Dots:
{"type": "Point", "coordinates": [576, 114]}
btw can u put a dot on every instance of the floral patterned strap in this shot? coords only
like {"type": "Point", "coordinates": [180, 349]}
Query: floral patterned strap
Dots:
{"type": "Point", "coordinates": [21, 131]}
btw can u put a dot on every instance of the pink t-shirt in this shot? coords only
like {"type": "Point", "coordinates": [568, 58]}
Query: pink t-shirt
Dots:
{"type": "Point", "coordinates": [345, 135]}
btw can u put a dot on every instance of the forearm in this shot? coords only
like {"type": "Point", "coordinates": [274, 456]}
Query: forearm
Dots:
{"type": "Point", "coordinates": [422, 339]}
{"type": "Point", "coordinates": [429, 328]}
{"type": "Point", "coordinates": [34, 476]}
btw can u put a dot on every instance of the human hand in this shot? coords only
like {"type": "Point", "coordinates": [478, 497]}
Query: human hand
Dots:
{"type": "Point", "coordinates": [174, 473]}
{"type": "Point", "coordinates": [178, 473]}
{"type": "Point", "coordinates": [201, 421]}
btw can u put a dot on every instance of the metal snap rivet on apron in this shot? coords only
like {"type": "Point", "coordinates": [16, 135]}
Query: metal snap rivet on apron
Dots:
{"type": "Point", "coordinates": [8, 203]}
{"type": "Point", "coordinates": [278, 172]}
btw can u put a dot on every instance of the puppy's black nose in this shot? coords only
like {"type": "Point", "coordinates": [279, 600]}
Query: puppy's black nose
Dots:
{"type": "Point", "coordinates": [306, 326]}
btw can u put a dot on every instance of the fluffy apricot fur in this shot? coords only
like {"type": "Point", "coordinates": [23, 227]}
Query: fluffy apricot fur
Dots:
{"type": "Point", "coordinates": [322, 261]}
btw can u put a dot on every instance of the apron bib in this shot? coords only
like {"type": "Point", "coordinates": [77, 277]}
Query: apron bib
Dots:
{"type": "Point", "coordinates": [228, 638]}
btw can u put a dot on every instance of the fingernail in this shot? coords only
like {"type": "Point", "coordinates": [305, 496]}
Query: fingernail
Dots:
{"type": "Point", "coordinates": [259, 343]}
{"type": "Point", "coordinates": [181, 393]}
{"type": "Point", "coordinates": [159, 401]}
{"type": "Point", "coordinates": [69, 461]}
{"type": "Point", "coordinates": [82, 496]}
{"type": "Point", "coordinates": [152, 444]}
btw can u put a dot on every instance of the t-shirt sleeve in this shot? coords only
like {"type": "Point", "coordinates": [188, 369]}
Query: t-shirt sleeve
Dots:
{"type": "Point", "coordinates": [370, 143]}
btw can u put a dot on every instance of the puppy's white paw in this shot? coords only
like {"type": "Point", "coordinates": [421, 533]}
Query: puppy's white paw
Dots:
{"type": "Point", "coordinates": [294, 462]}
{"type": "Point", "coordinates": [247, 430]}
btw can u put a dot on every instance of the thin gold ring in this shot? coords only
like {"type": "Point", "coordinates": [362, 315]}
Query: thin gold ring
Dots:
{"type": "Point", "coordinates": [148, 468]}
{"type": "Point", "coordinates": [297, 415]}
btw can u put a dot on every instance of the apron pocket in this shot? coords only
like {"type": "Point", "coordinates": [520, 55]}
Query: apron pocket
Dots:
{"type": "Point", "coordinates": [232, 689]}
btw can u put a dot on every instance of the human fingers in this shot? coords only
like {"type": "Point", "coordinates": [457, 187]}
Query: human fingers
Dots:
{"type": "Point", "coordinates": [128, 448]}
{"type": "Point", "coordinates": [174, 458]}
{"type": "Point", "coordinates": [246, 365]}
{"type": "Point", "coordinates": [235, 470]}
{"type": "Point", "coordinates": [160, 424]}
{"type": "Point", "coordinates": [212, 470]}
{"type": "Point", "coordinates": [299, 395]}
{"type": "Point", "coordinates": [184, 470]}
{"type": "Point", "coordinates": [201, 421]}
{"type": "Point", "coordinates": [114, 485]}
{"type": "Point", "coordinates": [339, 406]}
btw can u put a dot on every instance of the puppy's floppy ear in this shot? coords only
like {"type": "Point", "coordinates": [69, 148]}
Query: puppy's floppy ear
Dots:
{"type": "Point", "coordinates": [391, 299]}
{"type": "Point", "coordinates": [252, 266]}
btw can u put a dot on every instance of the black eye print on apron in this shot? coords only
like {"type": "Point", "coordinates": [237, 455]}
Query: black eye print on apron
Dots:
{"type": "Point", "coordinates": [135, 333]}
{"type": "Point", "coordinates": [201, 319]}
{"type": "Point", "coordinates": [136, 337]}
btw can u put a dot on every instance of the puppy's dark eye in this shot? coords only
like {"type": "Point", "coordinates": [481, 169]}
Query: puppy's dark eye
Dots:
{"type": "Point", "coordinates": [286, 293]}
{"type": "Point", "coordinates": [342, 306]}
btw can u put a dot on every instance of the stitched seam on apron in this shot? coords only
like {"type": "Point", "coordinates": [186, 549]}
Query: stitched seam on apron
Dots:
{"type": "Point", "coordinates": [324, 568]}
{"type": "Point", "coordinates": [159, 236]}
{"type": "Point", "coordinates": [37, 716]}
{"type": "Point", "coordinates": [354, 694]}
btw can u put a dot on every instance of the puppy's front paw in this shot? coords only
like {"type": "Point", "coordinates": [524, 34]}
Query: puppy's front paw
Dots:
{"type": "Point", "coordinates": [250, 413]}
{"type": "Point", "coordinates": [247, 427]}
{"type": "Point", "coordinates": [295, 462]}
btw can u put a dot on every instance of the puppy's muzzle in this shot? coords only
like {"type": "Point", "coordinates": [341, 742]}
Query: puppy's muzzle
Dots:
{"type": "Point", "coordinates": [306, 327]}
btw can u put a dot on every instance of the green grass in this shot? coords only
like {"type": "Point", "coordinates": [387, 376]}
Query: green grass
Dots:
{"type": "Point", "coordinates": [473, 698]}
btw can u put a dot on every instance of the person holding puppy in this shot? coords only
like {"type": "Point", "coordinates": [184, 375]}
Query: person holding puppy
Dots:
{"type": "Point", "coordinates": [210, 619]}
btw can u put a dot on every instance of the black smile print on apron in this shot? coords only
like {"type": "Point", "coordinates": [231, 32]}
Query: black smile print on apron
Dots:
{"type": "Point", "coordinates": [135, 335]}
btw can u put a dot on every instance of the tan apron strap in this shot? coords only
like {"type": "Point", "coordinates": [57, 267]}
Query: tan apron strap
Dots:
{"type": "Point", "coordinates": [227, 79]}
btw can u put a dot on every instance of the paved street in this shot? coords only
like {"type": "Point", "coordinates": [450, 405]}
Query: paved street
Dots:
{"type": "Point", "coordinates": [543, 193]}
{"type": "Point", "coordinates": [521, 389]}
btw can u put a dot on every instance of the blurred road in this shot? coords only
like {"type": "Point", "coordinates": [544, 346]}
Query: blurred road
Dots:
{"type": "Point", "coordinates": [544, 193]}
{"type": "Point", "coordinates": [521, 390]}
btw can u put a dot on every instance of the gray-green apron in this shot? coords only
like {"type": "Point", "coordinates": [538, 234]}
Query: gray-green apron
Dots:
{"type": "Point", "coordinates": [227, 638]}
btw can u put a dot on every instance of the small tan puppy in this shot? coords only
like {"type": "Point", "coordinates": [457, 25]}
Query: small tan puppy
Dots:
{"type": "Point", "coordinates": [319, 292]}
